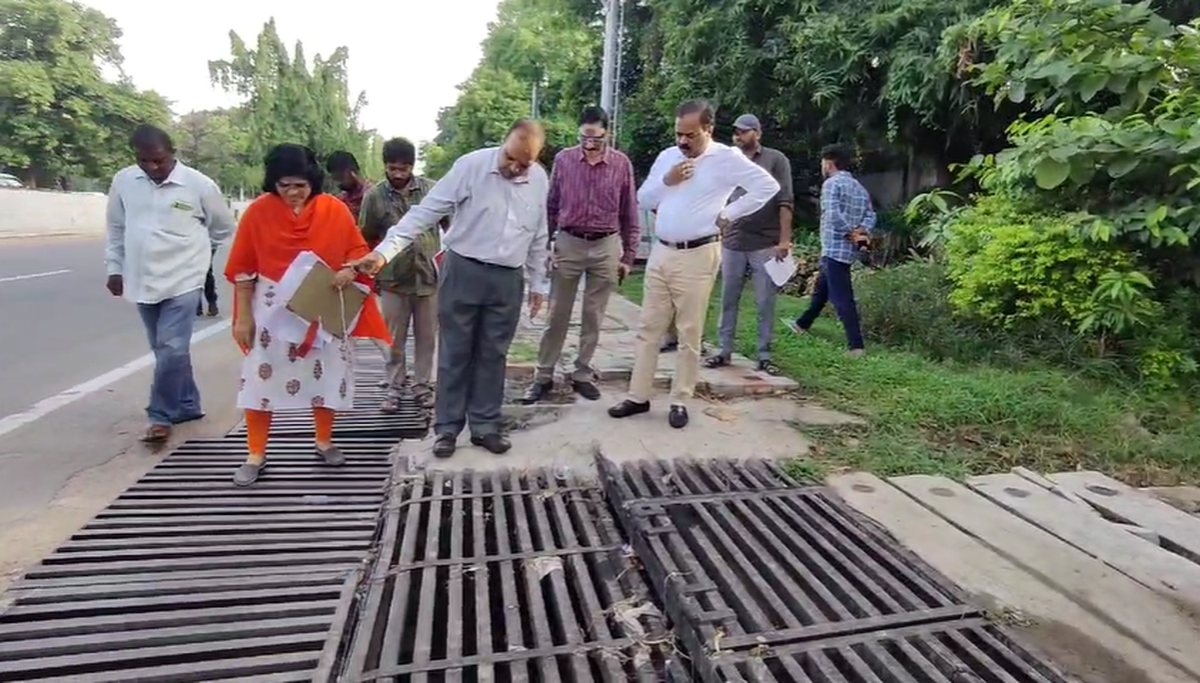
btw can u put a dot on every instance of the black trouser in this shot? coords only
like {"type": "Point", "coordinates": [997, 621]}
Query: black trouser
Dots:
{"type": "Point", "coordinates": [210, 282]}
{"type": "Point", "coordinates": [479, 307]}
{"type": "Point", "coordinates": [833, 286]}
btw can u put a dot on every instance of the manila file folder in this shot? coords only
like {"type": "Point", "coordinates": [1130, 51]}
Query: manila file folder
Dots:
{"type": "Point", "coordinates": [316, 300]}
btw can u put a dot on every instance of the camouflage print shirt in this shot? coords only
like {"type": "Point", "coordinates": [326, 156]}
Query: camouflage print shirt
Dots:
{"type": "Point", "coordinates": [413, 270]}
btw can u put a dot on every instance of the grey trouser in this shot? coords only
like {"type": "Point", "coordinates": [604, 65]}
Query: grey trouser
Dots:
{"type": "Point", "coordinates": [596, 263]}
{"type": "Point", "coordinates": [734, 266]}
{"type": "Point", "coordinates": [479, 307]}
{"type": "Point", "coordinates": [398, 311]}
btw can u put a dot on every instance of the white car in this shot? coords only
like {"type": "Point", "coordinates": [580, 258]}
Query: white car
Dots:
{"type": "Point", "coordinates": [8, 180]}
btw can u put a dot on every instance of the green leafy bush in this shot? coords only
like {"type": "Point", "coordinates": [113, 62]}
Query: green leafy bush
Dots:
{"type": "Point", "coordinates": [1007, 264]}
{"type": "Point", "coordinates": [908, 306]}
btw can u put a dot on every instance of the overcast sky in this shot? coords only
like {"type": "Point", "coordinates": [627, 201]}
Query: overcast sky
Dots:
{"type": "Point", "coordinates": [409, 61]}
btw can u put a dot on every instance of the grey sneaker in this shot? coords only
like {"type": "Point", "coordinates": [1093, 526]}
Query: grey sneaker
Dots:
{"type": "Point", "coordinates": [247, 473]}
{"type": "Point", "coordinates": [333, 456]}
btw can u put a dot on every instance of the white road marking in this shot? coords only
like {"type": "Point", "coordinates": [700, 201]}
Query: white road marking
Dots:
{"type": "Point", "coordinates": [31, 276]}
{"type": "Point", "coordinates": [48, 405]}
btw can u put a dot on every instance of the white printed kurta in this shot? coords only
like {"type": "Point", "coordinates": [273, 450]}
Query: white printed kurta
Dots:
{"type": "Point", "coordinates": [274, 375]}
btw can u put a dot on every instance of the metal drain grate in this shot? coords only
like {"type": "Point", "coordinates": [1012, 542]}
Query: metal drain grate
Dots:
{"type": "Point", "coordinates": [761, 577]}
{"type": "Point", "coordinates": [968, 651]}
{"type": "Point", "coordinates": [504, 576]}
{"type": "Point", "coordinates": [186, 577]}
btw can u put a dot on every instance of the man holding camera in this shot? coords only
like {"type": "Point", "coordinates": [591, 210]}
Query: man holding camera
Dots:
{"type": "Point", "coordinates": [847, 219]}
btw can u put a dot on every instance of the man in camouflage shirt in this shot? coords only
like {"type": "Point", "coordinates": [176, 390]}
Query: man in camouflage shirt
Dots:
{"type": "Point", "coordinates": [408, 284]}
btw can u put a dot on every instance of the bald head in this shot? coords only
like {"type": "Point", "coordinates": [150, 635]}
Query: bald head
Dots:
{"type": "Point", "coordinates": [522, 146]}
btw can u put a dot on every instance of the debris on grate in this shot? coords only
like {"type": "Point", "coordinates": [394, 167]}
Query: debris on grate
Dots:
{"type": "Point", "coordinates": [186, 577]}
{"type": "Point", "coordinates": [505, 576]}
{"type": "Point", "coordinates": [766, 581]}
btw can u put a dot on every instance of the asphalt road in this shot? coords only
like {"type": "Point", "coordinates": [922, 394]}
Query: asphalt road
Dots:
{"type": "Point", "coordinates": [60, 325]}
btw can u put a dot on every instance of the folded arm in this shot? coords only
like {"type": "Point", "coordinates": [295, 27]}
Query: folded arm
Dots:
{"type": "Point", "coordinates": [759, 186]}
{"type": "Point", "coordinates": [651, 193]}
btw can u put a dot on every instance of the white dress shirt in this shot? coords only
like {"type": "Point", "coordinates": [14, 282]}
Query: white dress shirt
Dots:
{"type": "Point", "coordinates": [688, 211]}
{"type": "Point", "coordinates": [161, 237]}
{"type": "Point", "coordinates": [496, 220]}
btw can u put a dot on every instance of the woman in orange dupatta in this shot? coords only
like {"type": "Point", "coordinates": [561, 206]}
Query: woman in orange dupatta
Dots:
{"type": "Point", "coordinates": [291, 217]}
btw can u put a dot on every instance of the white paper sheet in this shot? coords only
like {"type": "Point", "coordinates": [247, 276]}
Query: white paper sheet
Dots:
{"type": "Point", "coordinates": [781, 271]}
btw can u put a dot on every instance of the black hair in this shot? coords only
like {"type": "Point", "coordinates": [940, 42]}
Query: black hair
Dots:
{"type": "Point", "coordinates": [399, 151]}
{"type": "Point", "coordinates": [838, 154]}
{"type": "Point", "coordinates": [292, 161]}
{"type": "Point", "coordinates": [594, 116]}
{"type": "Point", "coordinates": [340, 162]}
{"type": "Point", "coordinates": [149, 137]}
{"type": "Point", "coordinates": [704, 108]}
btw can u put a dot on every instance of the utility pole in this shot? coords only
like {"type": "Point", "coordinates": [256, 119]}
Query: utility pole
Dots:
{"type": "Point", "coordinates": [608, 80]}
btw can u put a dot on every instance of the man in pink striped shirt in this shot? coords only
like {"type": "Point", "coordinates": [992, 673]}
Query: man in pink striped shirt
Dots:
{"type": "Point", "coordinates": [593, 217]}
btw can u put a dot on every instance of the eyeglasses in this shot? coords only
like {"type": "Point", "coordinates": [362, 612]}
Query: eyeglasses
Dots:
{"type": "Point", "coordinates": [593, 138]}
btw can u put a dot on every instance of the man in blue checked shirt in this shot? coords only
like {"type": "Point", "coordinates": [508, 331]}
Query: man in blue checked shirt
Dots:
{"type": "Point", "coordinates": [847, 219]}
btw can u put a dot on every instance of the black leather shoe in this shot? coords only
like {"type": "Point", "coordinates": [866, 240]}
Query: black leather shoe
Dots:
{"type": "Point", "coordinates": [678, 418]}
{"type": "Point", "coordinates": [628, 408]}
{"type": "Point", "coordinates": [493, 443]}
{"type": "Point", "coordinates": [588, 390]}
{"type": "Point", "coordinates": [444, 446]}
{"type": "Point", "coordinates": [668, 346]}
{"type": "Point", "coordinates": [536, 392]}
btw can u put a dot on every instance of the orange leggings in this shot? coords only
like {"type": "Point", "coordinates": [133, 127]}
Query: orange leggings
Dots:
{"type": "Point", "coordinates": [258, 428]}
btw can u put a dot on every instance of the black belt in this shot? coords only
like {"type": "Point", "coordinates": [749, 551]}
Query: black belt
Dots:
{"type": "Point", "coordinates": [693, 244]}
{"type": "Point", "coordinates": [485, 264]}
{"type": "Point", "coordinates": [586, 236]}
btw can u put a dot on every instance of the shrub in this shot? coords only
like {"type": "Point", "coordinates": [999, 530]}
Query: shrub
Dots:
{"type": "Point", "coordinates": [908, 306]}
{"type": "Point", "coordinates": [1007, 265]}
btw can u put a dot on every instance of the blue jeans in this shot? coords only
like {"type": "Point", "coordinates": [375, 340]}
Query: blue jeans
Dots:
{"type": "Point", "coordinates": [174, 396]}
{"type": "Point", "coordinates": [833, 286]}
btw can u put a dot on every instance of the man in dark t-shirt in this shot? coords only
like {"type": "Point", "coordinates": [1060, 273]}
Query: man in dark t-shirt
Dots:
{"type": "Point", "coordinates": [750, 243]}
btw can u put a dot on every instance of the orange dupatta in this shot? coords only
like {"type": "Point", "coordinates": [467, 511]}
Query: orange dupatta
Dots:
{"type": "Point", "coordinates": [269, 237]}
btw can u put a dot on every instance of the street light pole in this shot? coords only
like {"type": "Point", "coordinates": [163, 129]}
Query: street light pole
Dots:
{"type": "Point", "coordinates": [608, 80]}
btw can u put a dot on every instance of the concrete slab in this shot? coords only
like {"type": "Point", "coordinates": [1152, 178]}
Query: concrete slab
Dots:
{"type": "Point", "coordinates": [568, 436]}
{"type": "Point", "coordinates": [1077, 639]}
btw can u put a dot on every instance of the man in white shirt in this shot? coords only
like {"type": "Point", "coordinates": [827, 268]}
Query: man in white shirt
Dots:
{"type": "Point", "coordinates": [495, 248]}
{"type": "Point", "coordinates": [164, 220]}
{"type": "Point", "coordinates": [689, 186]}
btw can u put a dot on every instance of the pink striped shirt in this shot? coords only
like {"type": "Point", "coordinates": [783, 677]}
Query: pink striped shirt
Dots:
{"type": "Point", "coordinates": [594, 199]}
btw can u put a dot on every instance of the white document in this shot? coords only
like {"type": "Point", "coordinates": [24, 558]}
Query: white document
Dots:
{"type": "Point", "coordinates": [781, 271]}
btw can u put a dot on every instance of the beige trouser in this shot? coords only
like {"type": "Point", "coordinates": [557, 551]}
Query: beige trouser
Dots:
{"type": "Point", "coordinates": [398, 311]}
{"type": "Point", "coordinates": [678, 284]}
{"type": "Point", "coordinates": [596, 263]}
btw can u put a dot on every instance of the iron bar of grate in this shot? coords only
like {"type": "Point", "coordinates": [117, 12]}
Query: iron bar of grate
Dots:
{"type": "Point", "coordinates": [528, 582]}
{"type": "Point", "coordinates": [743, 576]}
{"type": "Point", "coordinates": [968, 651]}
{"type": "Point", "coordinates": [186, 577]}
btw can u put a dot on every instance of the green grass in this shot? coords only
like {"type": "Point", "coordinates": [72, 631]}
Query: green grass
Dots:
{"type": "Point", "coordinates": [926, 416]}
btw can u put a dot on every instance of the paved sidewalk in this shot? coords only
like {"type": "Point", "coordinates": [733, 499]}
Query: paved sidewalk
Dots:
{"type": "Point", "coordinates": [614, 357]}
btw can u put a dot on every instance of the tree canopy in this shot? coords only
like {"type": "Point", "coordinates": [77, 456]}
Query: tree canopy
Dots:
{"type": "Point", "coordinates": [59, 116]}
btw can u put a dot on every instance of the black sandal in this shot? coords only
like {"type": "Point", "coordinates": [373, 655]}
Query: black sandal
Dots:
{"type": "Point", "coordinates": [769, 368]}
{"type": "Point", "coordinates": [717, 361]}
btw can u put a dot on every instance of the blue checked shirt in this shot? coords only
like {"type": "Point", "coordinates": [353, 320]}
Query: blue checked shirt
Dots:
{"type": "Point", "coordinates": [845, 205]}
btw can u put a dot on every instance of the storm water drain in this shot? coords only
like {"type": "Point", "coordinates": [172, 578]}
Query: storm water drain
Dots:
{"type": "Point", "coordinates": [765, 580]}
{"type": "Point", "coordinates": [504, 576]}
{"type": "Point", "coordinates": [185, 577]}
